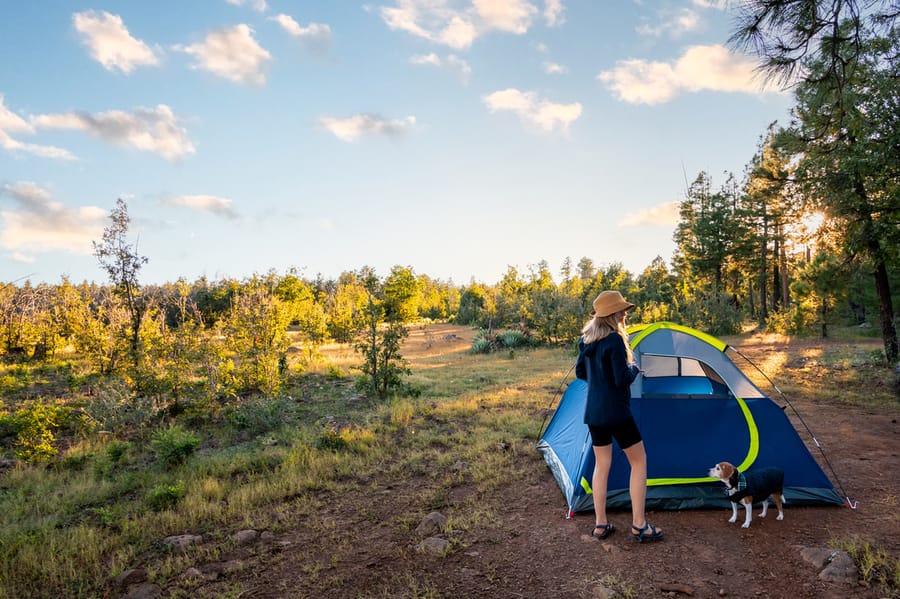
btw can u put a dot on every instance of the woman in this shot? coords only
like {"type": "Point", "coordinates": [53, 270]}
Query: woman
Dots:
{"type": "Point", "coordinates": [606, 362]}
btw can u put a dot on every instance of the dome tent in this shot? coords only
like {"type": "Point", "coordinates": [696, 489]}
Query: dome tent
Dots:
{"type": "Point", "coordinates": [694, 408]}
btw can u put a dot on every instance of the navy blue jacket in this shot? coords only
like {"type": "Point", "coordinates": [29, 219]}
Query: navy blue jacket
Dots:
{"type": "Point", "coordinates": [604, 365]}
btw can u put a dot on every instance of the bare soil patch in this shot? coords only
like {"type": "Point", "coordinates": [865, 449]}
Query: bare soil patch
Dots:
{"type": "Point", "coordinates": [364, 544]}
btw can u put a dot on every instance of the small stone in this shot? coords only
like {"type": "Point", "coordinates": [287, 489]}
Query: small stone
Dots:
{"type": "Point", "coordinates": [841, 569]}
{"type": "Point", "coordinates": [435, 545]}
{"type": "Point", "coordinates": [128, 577]}
{"type": "Point", "coordinates": [143, 591]}
{"type": "Point", "coordinates": [245, 537]}
{"type": "Point", "coordinates": [431, 524]}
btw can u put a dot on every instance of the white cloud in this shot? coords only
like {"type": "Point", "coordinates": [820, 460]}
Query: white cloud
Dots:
{"type": "Point", "coordinates": [663, 215]}
{"type": "Point", "coordinates": [452, 63]}
{"type": "Point", "coordinates": [110, 43]}
{"type": "Point", "coordinates": [257, 5]}
{"type": "Point", "coordinates": [459, 67]}
{"type": "Point", "coordinates": [232, 54]}
{"type": "Point", "coordinates": [42, 225]}
{"type": "Point", "coordinates": [531, 109]}
{"type": "Point", "coordinates": [13, 145]}
{"type": "Point", "coordinates": [316, 36]}
{"type": "Point", "coordinates": [205, 203]}
{"type": "Point", "coordinates": [552, 68]}
{"type": "Point", "coordinates": [672, 23]}
{"type": "Point", "coordinates": [352, 128]}
{"type": "Point", "coordinates": [150, 129]}
{"type": "Point", "coordinates": [24, 258]}
{"type": "Point", "coordinates": [428, 59]}
{"type": "Point", "coordinates": [553, 10]}
{"type": "Point", "coordinates": [700, 68]}
{"type": "Point", "coordinates": [440, 22]}
{"type": "Point", "coordinates": [10, 121]}
{"type": "Point", "coordinates": [715, 4]}
{"type": "Point", "coordinates": [513, 16]}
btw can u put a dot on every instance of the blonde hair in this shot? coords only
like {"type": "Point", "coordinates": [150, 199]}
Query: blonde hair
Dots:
{"type": "Point", "coordinates": [599, 327]}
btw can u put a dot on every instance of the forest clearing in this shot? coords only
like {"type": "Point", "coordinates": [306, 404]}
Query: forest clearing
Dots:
{"type": "Point", "coordinates": [328, 493]}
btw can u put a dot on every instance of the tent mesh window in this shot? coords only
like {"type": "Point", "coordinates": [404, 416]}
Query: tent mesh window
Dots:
{"type": "Point", "coordinates": [677, 376]}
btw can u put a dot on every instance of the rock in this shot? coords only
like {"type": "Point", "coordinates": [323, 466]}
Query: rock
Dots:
{"type": "Point", "coordinates": [245, 537]}
{"type": "Point", "coordinates": [434, 545]}
{"type": "Point", "coordinates": [180, 543]}
{"type": "Point", "coordinates": [834, 565]}
{"type": "Point", "coordinates": [129, 577]}
{"type": "Point", "coordinates": [143, 591]}
{"type": "Point", "coordinates": [431, 524]}
{"type": "Point", "coordinates": [819, 557]}
{"type": "Point", "coordinates": [841, 569]}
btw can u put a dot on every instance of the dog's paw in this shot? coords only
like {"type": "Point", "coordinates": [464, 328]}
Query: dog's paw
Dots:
{"type": "Point", "coordinates": [733, 519]}
{"type": "Point", "coordinates": [745, 525]}
{"type": "Point", "coordinates": [780, 517]}
{"type": "Point", "coordinates": [762, 515]}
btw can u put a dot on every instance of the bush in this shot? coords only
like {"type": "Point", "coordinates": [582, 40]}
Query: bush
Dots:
{"type": "Point", "coordinates": [116, 410]}
{"type": "Point", "coordinates": [116, 450]}
{"type": "Point", "coordinates": [260, 415]}
{"type": "Point", "coordinates": [174, 445]}
{"type": "Point", "coordinates": [163, 497]}
{"type": "Point", "coordinates": [513, 338]}
{"type": "Point", "coordinates": [481, 345]}
{"type": "Point", "coordinates": [485, 343]}
{"type": "Point", "coordinates": [35, 428]}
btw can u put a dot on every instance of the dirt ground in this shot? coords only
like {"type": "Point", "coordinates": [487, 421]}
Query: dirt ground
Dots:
{"type": "Point", "coordinates": [358, 550]}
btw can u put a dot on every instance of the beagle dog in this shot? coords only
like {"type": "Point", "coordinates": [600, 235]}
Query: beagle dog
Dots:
{"type": "Point", "coordinates": [747, 487]}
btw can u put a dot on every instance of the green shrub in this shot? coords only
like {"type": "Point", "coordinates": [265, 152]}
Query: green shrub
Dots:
{"type": "Point", "coordinates": [36, 426]}
{"type": "Point", "coordinates": [481, 345]}
{"type": "Point", "coordinates": [513, 338]}
{"type": "Point", "coordinates": [116, 450]}
{"type": "Point", "coordinates": [485, 343]}
{"type": "Point", "coordinates": [174, 445]}
{"type": "Point", "coordinates": [331, 438]}
{"type": "Point", "coordinates": [163, 497]}
{"type": "Point", "coordinates": [76, 461]}
{"type": "Point", "coordinates": [260, 415]}
{"type": "Point", "coordinates": [117, 410]}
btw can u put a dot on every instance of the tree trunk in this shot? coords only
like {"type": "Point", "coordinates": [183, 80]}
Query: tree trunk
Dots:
{"type": "Point", "coordinates": [882, 282]}
{"type": "Point", "coordinates": [885, 307]}
{"type": "Point", "coordinates": [785, 282]}
{"type": "Point", "coordinates": [776, 276]}
{"type": "Point", "coordinates": [763, 290]}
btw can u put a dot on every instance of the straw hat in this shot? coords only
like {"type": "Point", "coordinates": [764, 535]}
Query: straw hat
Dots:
{"type": "Point", "coordinates": [610, 302]}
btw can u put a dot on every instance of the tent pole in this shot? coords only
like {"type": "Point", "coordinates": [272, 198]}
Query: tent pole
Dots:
{"type": "Point", "coordinates": [847, 501]}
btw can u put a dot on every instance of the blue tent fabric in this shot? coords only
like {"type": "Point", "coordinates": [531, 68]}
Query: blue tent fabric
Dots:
{"type": "Point", "coordinates": [689, 423]}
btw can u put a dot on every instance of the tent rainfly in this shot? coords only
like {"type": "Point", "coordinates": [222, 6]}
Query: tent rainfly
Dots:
{"type": "Point", "coordinates": [694, 408]}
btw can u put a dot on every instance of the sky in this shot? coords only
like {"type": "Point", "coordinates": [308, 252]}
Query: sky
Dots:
{"type": "Point", "coordinates": [460, 138]}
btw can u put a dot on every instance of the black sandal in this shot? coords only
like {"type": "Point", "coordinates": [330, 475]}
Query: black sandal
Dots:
{"type": "Point", "coordinates": [607, 529]}
{"type": "Point", "coordinates": [646, 533]}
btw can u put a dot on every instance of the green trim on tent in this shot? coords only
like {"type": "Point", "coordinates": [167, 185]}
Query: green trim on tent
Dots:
{"type": "Point", "coordinates": [752, 453]}
{"type": "Point", "coordinates": [641, 331]}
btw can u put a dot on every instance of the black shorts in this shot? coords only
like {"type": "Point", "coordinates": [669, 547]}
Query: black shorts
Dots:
{"type": "Point", "coordinates": [626, 434]}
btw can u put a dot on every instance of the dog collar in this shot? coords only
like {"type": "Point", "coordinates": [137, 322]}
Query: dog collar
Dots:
{"type": "Point", "coordinates": [740, 486]}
